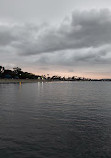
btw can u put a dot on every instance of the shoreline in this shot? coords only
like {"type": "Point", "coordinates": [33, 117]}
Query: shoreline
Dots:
{"type": "Point", "coordinates": [21, 80]}
{"type": "Point", "coordinates": [7, 81]}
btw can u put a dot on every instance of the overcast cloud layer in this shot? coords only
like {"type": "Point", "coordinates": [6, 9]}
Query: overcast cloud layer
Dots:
{"type": "Point", "coordinates": [79, 42]}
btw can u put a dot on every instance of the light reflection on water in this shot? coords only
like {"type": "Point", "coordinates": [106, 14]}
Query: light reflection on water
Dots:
{"type": "Point", "coordinates": [55, 119]}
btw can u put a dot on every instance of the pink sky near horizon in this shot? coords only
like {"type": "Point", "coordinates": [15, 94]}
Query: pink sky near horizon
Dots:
{"type": "Point", "coordinates": [92, 75]}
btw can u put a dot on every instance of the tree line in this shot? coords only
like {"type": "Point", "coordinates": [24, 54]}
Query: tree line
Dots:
{"type": "Point", "coordinates": [17, 73]}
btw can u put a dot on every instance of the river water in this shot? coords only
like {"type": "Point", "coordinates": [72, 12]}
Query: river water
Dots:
{"type": "Point", "coordinates": [55, 120]}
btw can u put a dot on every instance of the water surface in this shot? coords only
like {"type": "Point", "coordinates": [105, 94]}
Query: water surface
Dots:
{"type": "Point", "coordinates": [55, 120]}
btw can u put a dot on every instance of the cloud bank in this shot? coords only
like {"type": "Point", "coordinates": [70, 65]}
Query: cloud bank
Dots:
{"type": "Point", "coordinates": [82, 40]}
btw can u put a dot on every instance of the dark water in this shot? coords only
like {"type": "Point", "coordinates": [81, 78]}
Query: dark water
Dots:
{"type": "Point", "coordinates": [55, 120]}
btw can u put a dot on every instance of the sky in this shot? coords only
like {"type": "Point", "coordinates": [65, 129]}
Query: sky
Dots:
{"type": "Point", "coordinates": [57, 37]}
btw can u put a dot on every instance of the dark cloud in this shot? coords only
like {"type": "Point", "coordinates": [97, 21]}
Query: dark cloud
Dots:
{"type": "Point", "coordinates": [84, 56]}
{"type": "Point", "coordinates": [85, 29]}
